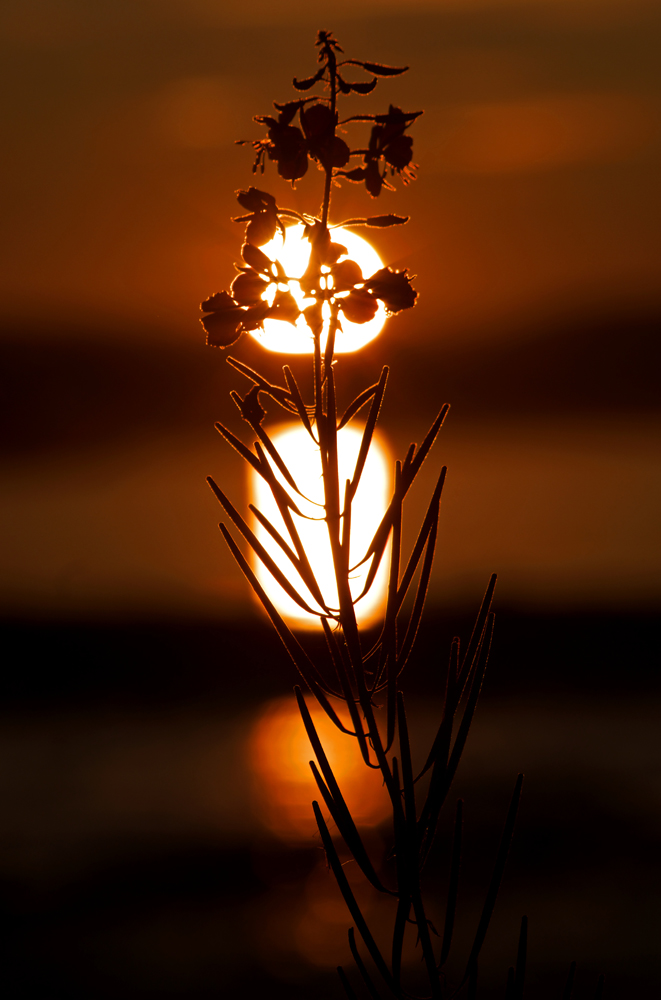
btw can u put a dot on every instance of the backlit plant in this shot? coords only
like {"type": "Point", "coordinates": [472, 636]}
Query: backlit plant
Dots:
{"type": "Point", "coordinates": [366, 677]}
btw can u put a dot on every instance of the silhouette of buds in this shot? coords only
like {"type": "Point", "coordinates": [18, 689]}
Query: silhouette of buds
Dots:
{"type": "Point", "coordinates": [327, 44]}
{"type": "Point", "coordinates": [255, 200]}
{"type": "Point", "coordinates": [393, 288]}
{"type": "Point", "coordinates": [314, 318]}
{"type": "Point", "coordinates": [298, 131]}
{"type": "Point", "coordinates": [388, 147]}
{"type": "Point", "coordinates": [324, 251]}
{"type": "Point", "coordinates": [346, 274]}
{"type": "Point", "coordinates": [319, 124]}
{"type": "Point", "coordinates": [290, 146]}
{"type": "Point", "coordinates": [263, 218]}
{"type": "Point", "coordinates": [285, 146]}
{"type": "Point", "coordinates": [284, 307]}
{"type": "Point", "coordinates": [248, 287]}
{"type": "Point", "coordinates": [359, 306]}
{"type": "Point", "coordinates": [250, 407]}
{"type": "Point", "coordinates": [224, 324]}
{"type": "Point", "coordinates": [256, 258]}
{"type": "Point", "coordinates": [254, 316]}
{"type": "Point", "coordinates": [388, 140]}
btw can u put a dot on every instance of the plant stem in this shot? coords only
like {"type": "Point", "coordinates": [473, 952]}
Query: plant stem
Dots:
{"type": "Point", "coordinates": [332, 73]}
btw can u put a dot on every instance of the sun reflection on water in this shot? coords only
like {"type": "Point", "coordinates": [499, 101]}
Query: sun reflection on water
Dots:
{"type": "Point", "coordinates": [302, 458]}
{"type": "Point", "coordinates": [279, 752]}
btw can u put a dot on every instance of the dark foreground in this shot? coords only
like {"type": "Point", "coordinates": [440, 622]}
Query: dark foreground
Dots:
{"type": "Point", "coordinates": [134, 863]}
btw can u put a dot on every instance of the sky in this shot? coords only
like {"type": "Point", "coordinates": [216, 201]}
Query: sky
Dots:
{"type": "Point", "coordinates": [534, 238]}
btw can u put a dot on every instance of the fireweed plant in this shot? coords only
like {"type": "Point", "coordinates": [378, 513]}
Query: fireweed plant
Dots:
{"type": "Point", "coordinates": [365, 677]}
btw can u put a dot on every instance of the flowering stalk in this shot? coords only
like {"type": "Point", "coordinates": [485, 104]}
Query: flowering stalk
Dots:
{"type": "Point", "coordinates": [336, 291]}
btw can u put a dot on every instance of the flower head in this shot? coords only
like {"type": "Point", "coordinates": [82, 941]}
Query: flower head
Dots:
{"type": "Point", "coordinates": [263, 218]}
{"type": "Point", "coordinates": [393, 288]}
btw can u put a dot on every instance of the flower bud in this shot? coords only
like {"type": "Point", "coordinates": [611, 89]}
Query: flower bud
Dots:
{"type": "Point", "coordinates": [318, 120]}
{"type": "Point", "coordinates": [284, 307]}
{"type": "Point", "coordinates": [314, 318]}
{"type": "Point", "coordinates": [399, 152]}
{"type": "Point", "coordinates": [256, 258]}
{"type": "Point", "coordinates": [346, 274]}
{"type": "Point", "coordinates": [262, 228]}
{"type": "Point", "coordinates": [248, 288]}
{"type": "Point", "coordinates": [359, 306]}
{"type": "Point", "coordinates": [255, 200]}
{"type": "Point", "coordinates": [393, 288]}
{"type": "Point", "coordinates": [224, 323]}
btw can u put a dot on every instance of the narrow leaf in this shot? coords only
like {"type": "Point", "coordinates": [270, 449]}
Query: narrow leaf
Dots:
{"type": "Point", "coordinates": [494, 885]}
{"type": "Point", "coordinates": [476, 687]}
{"type": "Point", "coordinates": [343, 676]}
{"type": "Point", "coordinates": [520, 971]}
{"type": "Point", "coordinates": [413, 467]}
{"type": "Point", "coordinates": [277, 458]}
{"type": "Point", "coordinates": [453, 888]}
{"type": "Point", "coordinates": [346, 985]}
{"type": "Point", "coordinates": [335, 800]}
{"type": "Point", "coordinates": [259, 549]}
{"type": "Point", "coordinates": [280, 494]}
{"type": "Point", "coordinates": [569, 985]}
{"type": "Point", "coordinates": [399, 929]}
{"type": "Point", "coordinates": [420, 598]}
{"type": "Point", "coordinates": [376, 68]}
{"type": "Point", "coordinates": [350, 899]}
{"type": "Point", "coordinates": [478, 628]}
{"type": "Point", "coordinates": [362, 88]}
{"type": "Point", "coordinates": [303, 566]}
{"type": "Point", "coordinates": [407, 771]}
{"type": "Point", "coordinates": [367, 979]}
{"type": "Point", "coordinates": [275, 535]}
{"type": "Point", "coordinates": [471, 992]}
{"type": "Point", "coordinates": [295, 393]}
{"type": "Point", "coordinates": [389, 639]}
{"type": "Point", "coordinates": [369, 429]}
{"type": "Point", "coordinates": [443, 773]}
{"type": "Point", "coordinates": [280, 395]}
{"type": "Point", "coordinates": [347, 828]}
{"type": "Point", "coordinates": [301, 660]}
{"type": "Point", "coordinates": [357, 404]}
{"type": "Point", "coordinates": [385, 221]}
{"type": "Point", "coordinates": [310, 81]}
{"type": "Point", "coordinates": [431, 517]}
{"type": "Point", "coordinates": [239, 446]}
{"type": "Point", "coordinates": [397, 117]}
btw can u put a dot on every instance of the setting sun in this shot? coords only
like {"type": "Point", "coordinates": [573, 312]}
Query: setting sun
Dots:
{"type": "Point", "coordinates": [294, 253]}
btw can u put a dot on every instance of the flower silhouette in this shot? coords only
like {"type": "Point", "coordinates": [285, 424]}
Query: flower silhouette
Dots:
{"type": "Point", "coordinates": [388, 147]}
{"type": "Point", "coordinates": [306, 129]}
{"type": "Point", "coordinates": [263, 218]}
{"type": "Point", "coordinates": [393, 288]}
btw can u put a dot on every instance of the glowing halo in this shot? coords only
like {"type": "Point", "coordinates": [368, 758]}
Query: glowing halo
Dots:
{"type": "Point", "coordinates": [293, 254]}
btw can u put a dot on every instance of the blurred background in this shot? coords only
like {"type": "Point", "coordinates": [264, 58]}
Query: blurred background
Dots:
{"type": "Point", "coordinates": [136, 853]}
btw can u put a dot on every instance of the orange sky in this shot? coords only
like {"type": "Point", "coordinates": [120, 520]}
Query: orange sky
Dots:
{"type": "Point", "coordinates": [536, 211]}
